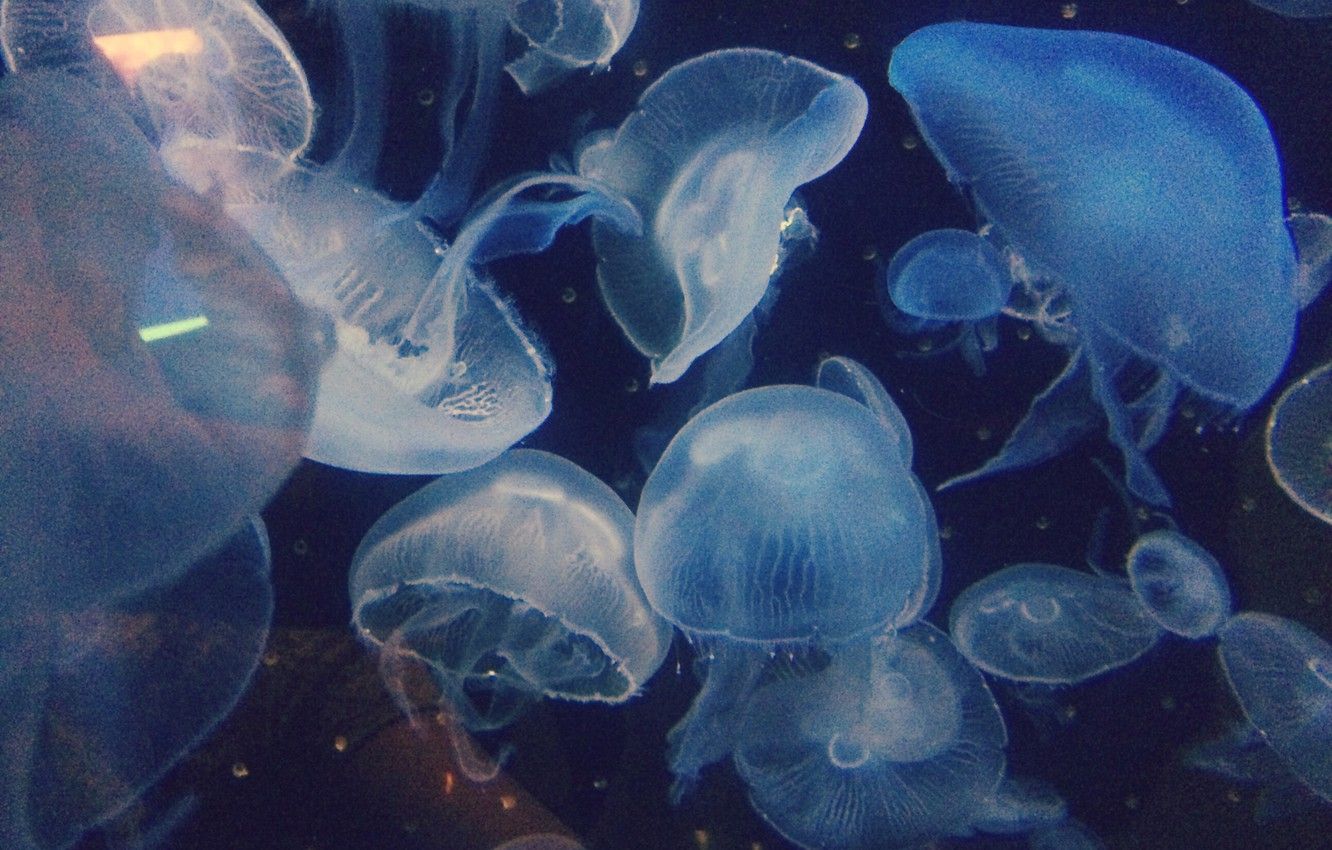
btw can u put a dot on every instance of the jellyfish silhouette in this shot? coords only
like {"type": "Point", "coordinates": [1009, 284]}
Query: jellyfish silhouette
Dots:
{"type": "Point", "coordinates": [1148, 184]}
{"type": "Point", "coordinates": [1281, 674]}
{"type": "Point", "coordinates": [759, 544]}
{"type": "Point", "coordinates": [510, 582]}
{"type": "Point", "coordinates": [1299, 442]}
{"type": "Point", "coordinates": [1179, 583]}
{"type": "Point", "coordinates": [1050, 625]}
{"type": "Point", "coordinates": [710, 158]}
{"type": "Point", "coordinates": [900, 752]}
{"type": "Point", "coordinates": [158, 375]}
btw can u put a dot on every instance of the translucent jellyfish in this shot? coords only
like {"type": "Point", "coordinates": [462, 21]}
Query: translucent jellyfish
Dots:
{"type": "Point", "coordinates": [564, 36]}
{"type": "Point", "coordinates": [761, 543]}
{"type": "Point", "coordinates": [716, 147]}
{"type": "Point", "coordinates": [510, 582]}
{"type": "Point", "coordinates": [1152, 192]}
{"type": "Point", "coordinates": [948, 276]}
{"type": "Point", "coordinates": [115, 694]}
{"type": "Point", "coordinates": [834, 762]}
{"type": "Point", "coordinates": [1299, 442]}
{"type": "Point", "coordinates": [158, 375]}
{"type": "Point", "coordinates": [1240, 754]}
{"type": "Point", "coordinates": [1296, 8]}
{"type": "Point", "coordinates": [434, 371]}
{"type": "Point", "coordinates": [1281, 674]}
{"type": "Point", "coordinates": [1312, 233]}
{"type": "Point", "coordinates": [215, 70]}
{"type": "Point", "coordinates": [1020, 804]}
{"type": "Point", "coordinates": [1050, 625]}
{"type": "Point", "coordinates": [851, 379]}
{"type": "Point", "coordinates": [1179, 583]}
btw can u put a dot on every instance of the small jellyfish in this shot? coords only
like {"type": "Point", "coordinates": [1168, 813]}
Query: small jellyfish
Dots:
{"type": "Point", "coordinates": [1020, 804]}
{"type": "Point", "coordinates": [1050, 625]}
{"type": "Point", "coordinates": [510, 582]}
{"type": "Point", "coordinates": [1142, 179]}
{"type": "Point", "coordinates": [1281, 674]}
{"type": "Point", "coordinates": [1312, 233]}
{"type": "Point", "coordinates": [948, 276]}
{"type": "Point", "coordinates": [1179, 583]}
{"type": "Point", "coordinates": [851, 379]}
{"type": "Point", "coordinates": [1299, 442]}
{"type": "Point", "coordinates": [895, 754]}
{"type": "Point", "coordinates": [710, 158]}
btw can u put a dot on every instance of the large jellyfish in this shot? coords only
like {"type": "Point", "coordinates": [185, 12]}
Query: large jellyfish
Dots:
{"type": "Point", "coordinates": [510, 582]}
{"type": "Point", "coordinates": [710, 158]}
{"type": "Point", "coordinates": [1050, 625]}
{"type": "Point", "coordinates": [764, 545]}
{"type": "Point", "coordinates": [902, 753]}
{"type": "Point", "coordinates": [1299, 442]}
{"type": "Point", "coordinates": [1179, 583]}
{"type": "Point", "coordinates": [1142, 179]}
{"type": "Point", "coordinates": [158, 376]}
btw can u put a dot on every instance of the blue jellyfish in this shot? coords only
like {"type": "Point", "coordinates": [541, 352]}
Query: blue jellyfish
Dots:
{"type": "Point", "coordinates": [894, 754]}
{"type": "Point", "coordinates": [853, 380]}
{"type": "Point", "coordinates": [1050, 625]}
{"type": "Point", "coordinates": [1240, 754]}
{"type": "Point", "coordinates": [1179, 583]}
{"type": "Point", "coordinates": [1147, 183]}
{"type": "Point", "coordinates": [760, 544]}
{"type": "Point", "coordinates": [710, 158]}
{"type": "Point", "coordinates": [1020, 804]}
{"type": "Point", "coordinates": [158, 375]}
{"type": "Point", "coordinates": [509, 582]}
{"type": "Point", "coordinates": [1312, 233]}
{"type": "Point", "coordinates": [1299, 442]}
{"type": "Point", "coordinates": [1281, 674]}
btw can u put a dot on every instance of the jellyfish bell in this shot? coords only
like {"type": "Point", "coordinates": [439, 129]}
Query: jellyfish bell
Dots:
{"type": "Point", "coordinates": [948, 275]}
{"type": "Point", "coordinates": [1298, 442]}
{"type": "Point", "coordinates": [565, 35]}
{"type": "Point", "coordinates": [710, 158]}
{"type": "Point", "coordinates": [1179, 583]}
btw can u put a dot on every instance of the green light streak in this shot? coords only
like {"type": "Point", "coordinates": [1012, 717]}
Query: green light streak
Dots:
{"type": "Point", "coordinates": [153, 333]}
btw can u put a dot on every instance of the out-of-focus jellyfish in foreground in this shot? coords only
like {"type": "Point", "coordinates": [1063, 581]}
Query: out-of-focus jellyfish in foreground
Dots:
{"type": "Point", "coordinates": [215, 70]}
{"type": "Point", "coordinates": [894, 754]}
{"type": "Point", "coordinates": [158, 374]}
{"type": "Point", "coordinates": [762, 544]}
{"type": "Point", "coordinates": [710, 158]}
{"type": "Point", "coordinates": [1179, 583]}
{"type": "Point", "coordinates": [1142, 179]}
{"type": "Point", "coordinates": [1050, 625]}
{"type": "Point", "coordinates": [1281, 674]}
{"type": "Point", "coordinates": [510, 582]}
{"type": "Point", "coordinates": [1299, 442]}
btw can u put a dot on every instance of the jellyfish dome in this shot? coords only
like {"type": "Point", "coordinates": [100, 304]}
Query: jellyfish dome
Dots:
{"type": "Point", "coordinates": [158, 374]}
{"type": "Point", "coordinates": [566, 35]}
{"type": "Point", "coordinates": [950, 276]}
{"type": "Point", "coordinates": [895, 755]}
{"type": "Point", "coordinates": [1179, 583]}
{"type": "Point", "coordinates": [1050, 625]}
{"type": "Point", "coordinates": [750, 530]}
{"type": "Point", "coordinates": [1281, 674]}
{"type": "Point", "coordinates": [853, 380]}
{"type": "Point", "coordinates": [1299, 442]}
{"type": "Point", "coordinates": [710, 158]}
{"type": "Point", "coordinates": [511, 582]}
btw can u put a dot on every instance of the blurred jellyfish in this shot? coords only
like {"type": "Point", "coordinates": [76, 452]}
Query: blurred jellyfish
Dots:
{"type": "Point", "coordinates": [1020, 804]}
{"type": "Point", "coordinates": [510, 582]}
{"type": "Point", "coordinates": [1299, 442]}
{"type": "Point", "coordinates": [949, 276]}
{"type": "Point", "coordinates": [214, 70]}
{"type": "Point", "coordinates": [1296, 8]}
{"type": "Point", "coordinates": [764, 545]}
{"type": "Point", "coordinates": [1312, 233]}
{"type": "Point", "coordinates": [158, 375]}
{"type": "Point", "coordinates": [1180, 584]}
{"type": "Point", "coordinates": [710, 158]}
{"type": "Point", "coordinates": [1050, 625]}
{"type": "Point", "coordinates": [834, 762]}
{"type": "Point", "coordinates": [1152, 192]}
{"type": "Point", "coordinates": [851, 379]}
{"type": "Point", "coordinates": [1281, 674]}
{"type": "Point", "coordinates": [1241, 754]}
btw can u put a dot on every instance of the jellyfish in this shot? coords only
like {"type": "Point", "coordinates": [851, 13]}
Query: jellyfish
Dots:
{"type": "Point", "coordinates": [1312, 233]}
{"type": "Point", "coordinates": [836, 760]}
{"type": "Point", "coordinates": [1020, 804]}
{"type": "Point", "coordinates": [510, 582]}
{"type": "Point", "coordinates": [1281, 675]}
{"type": "Point", "coordinates": [99, 701]}
{"type": "Point", "coordinates": [158, 375]}
{"type": "Point", "coordinates": [1299, 442]}
{"type": "Point", "coordinates": [1142, 179]}
{"type": "Point", "coordinates": [1240, 754]}
{"type": "Point", "coordinates": [949, 276]}
{"type": "Point", "coordinates": [1296, 8]}
{"type": "Point", "coordinates": [760, 543]}
{"type": "Point", "coordinates": [1180, 584]}
{"type": "Point", "coordinates": [853, 380]}
{"type": "Point", "coordinates": [1050, 625]}
{"type": "Point", "coordinates": [214, 70]}
{"type": "Point", "coordinates": [710, 157]}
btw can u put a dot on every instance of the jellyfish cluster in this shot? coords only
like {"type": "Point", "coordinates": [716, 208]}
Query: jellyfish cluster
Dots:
{"type": "Point", "coordinates": [207, 281]}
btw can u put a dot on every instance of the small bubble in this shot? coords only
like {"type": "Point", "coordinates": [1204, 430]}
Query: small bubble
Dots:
{"type": "Point", "coordinates": [270, 658]}
{"type": "Point", "coordinates": [1132, 802]}
{"type": "Point", "coordinates": [702, 839]}
{"type": "Point", "coordinates": [569, 295]}
{"type": "Point", "coordinates": [868, 253]}
{"type": "Point", "coordinates": [640, 68]}
{"type": "Point", "coordinates": [1233, 795]}
{"type": "Point", "coordinates": [1167, 703]}
{"type": "Point", "coordinates": [946, 532]}
{"type": "Point", "coordinates": [1024, 332]}
{"type": "Point", "coordinates": [851, 40]}
{"type": "Point", "coordinates": [924, 345]}
{"type": "Point", "coordinates": [1313, 596]}
{"type": "Point", "coordinates": [1248, 504]}
{"type": "Point", "coordinates": [426, 97]}
{"type": "Point", "coordinates": [631, 385]}
{"type": "Point", "coordinates": [508, 802]}
{"type": "Point", "coordinates": [1068, 11]}
{"type": "Point", "coordinates": [910, 141]}
{"type": "Point", "coordinates": [1070, 712]}
{"type": "Point", "coordinates": [984, 434]}
{"type": "Point", "coordinates": [240, 770]}
{"type": "Point", "coordinates": [450, 781]}
{"type": "Point", "coordinates": [340, 743]}
{"type": "Point", "coordinates": [1187, 412]}
{"type": "Point", "coordinates": [1042, 523]}
{"type": "Point", "coordinates": [300, 548]}
{"type": "Point", "coordinates": [1181, 2]}
{"type": "Point", "coordinates": [411, 826]}
{"type": "Point", "coordinates": [600, 783]}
